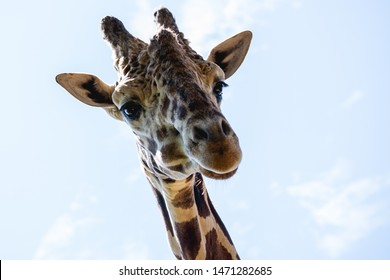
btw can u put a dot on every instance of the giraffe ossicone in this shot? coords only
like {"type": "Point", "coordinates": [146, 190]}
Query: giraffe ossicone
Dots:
{"type": "Point", "coordinates": [170, 97]}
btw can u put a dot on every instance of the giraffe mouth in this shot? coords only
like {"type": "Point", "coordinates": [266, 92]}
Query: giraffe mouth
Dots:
{"type": "Point", "coordinates": [217, 176]}
{"type": "Point", "coordinates": [218, 161]}
{"type": "Point", "coordinates": [214, 147]}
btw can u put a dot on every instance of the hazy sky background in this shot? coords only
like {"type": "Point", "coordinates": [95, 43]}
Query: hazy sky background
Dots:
{"type": "Point", "coordinates": [310, 104]}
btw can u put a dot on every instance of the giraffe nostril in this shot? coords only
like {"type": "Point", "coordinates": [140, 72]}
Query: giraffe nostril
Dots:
{"type": "Point", "coordinates": [226, 128]}
{"type": "Point", "coordinates": [200, 134]}
{"type": "Point", "coordinates": [215, 131]}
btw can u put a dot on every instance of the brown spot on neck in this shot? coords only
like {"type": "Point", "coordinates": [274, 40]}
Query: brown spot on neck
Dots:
{"type": "Point", "coordinates": [184, 198]}
{"type": "Point", "coordinates": [214, 249]}
{"type": "Point", "coordinates": [189, 237]}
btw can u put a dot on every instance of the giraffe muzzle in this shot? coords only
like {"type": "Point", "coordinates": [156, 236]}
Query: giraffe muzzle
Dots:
{"type": "Point", "coordinates": [215, 147]}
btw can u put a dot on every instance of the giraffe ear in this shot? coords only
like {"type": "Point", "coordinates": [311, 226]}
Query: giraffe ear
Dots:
{"type": "Point", "coordinates": [231, 53]}
{"type": "Point", "coordinates": [87, 88]}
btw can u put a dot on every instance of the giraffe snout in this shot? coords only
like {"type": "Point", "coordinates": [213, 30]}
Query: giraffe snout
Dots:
{"type": "Point", "coordinates": [216, 130]}
{"type": "Point", "coordinates": [215, 147]}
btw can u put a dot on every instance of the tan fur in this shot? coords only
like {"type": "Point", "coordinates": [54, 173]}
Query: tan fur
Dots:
{"type": "Point", "coordinates": [170, 97]}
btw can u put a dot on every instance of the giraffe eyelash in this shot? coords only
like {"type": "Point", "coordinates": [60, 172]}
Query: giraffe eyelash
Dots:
{"type": "Point", "coordinates": [218, 89]}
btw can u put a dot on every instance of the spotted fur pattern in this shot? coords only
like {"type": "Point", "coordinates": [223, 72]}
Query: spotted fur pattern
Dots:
{"type": "Point", "coordinates": [170, 97]}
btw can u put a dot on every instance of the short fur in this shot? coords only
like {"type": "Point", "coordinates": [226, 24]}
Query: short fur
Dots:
{"type": "Point", "coordinates": [170, 97]}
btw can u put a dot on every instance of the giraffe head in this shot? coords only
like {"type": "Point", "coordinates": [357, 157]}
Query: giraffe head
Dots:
{"type": "Point", "coordinates": [170, 96]}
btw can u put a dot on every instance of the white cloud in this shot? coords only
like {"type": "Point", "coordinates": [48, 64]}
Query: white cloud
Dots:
{"type": "Point", "coordinates": [342, 212]}
{"type": "Point", "coordinates": [207, 23]}
{"type": "Point", "coordinates": [60, 235]}
{"type": "Point", "coordinates": [65, 228]}
{"type": "Point", "coordinates": [206, 27]}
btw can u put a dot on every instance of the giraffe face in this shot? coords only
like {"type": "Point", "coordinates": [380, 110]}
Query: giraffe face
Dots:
{"type": "Point", "coordinates": [174, 111]}
{"type": "Point", "coordinates": [170, 96]}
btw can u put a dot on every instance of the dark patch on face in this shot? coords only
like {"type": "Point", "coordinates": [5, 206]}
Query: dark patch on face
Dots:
{"type": "Point", "coordinates": [219, 221]}
{"type": "Point", "coordinates": [200, 196]}
{"type": "Point", "coordinates": [164, 211]}
{"type": "Point", "coordinates": [125, 60]}
{"type": "Point", "coordinates": [181, 113]}
{"type": "Point", "coordinates": [195, 105]}
{"type": "Point", "coordinates": [215, 251]}
{"type": "Point", "coordinates": [162, 133]}
{"type": "Point", "coordinates": [139, 71]}
{"type": "Point", "coordinates": [135, 63]}
{"type": "Point", "coordinates": [178, 168]}
{"type": "Point", "coordinates": [165, 106]}
{"type": "Point", "coordinates": [168, 151]}
{"type": "Point", "coordinates": [174, 132]}
{"type": "Point", "coordinates": [184, 199]}
{"type": "Point", "coordinates": [95, 94]}
{"type": "Point", "coordinates": [202, 95]}
{"type": "Point", "coordinates": [183, 94]}
{"type": "Point", "coordinates": [169, 180]}
{"type": "Point", "coordinates": [132, 71]}
{"type": "Point", "coordinates": [164, 81]}
{"type": "Point", "coordinates": [189, 237]}
{"type": "Point", "coordinates": [152, 146]}
{"type": "Point", "coordinates": [171, 83]}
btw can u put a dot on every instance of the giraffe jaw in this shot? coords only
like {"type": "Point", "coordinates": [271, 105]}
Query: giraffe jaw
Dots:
{"type": "Point", "coordinates": [217, 176]}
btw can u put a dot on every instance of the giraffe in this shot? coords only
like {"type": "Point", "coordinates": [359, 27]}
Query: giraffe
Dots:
{"type": "Point", "coordinates": [170, 97]}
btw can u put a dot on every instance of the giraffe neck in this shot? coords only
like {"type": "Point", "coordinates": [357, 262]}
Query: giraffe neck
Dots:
{"type": "Point", "coordinates": [194, 228]}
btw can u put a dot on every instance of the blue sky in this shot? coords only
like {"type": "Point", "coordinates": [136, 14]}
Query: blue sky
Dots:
{"type": "Point", "coordinates": [310, 105]}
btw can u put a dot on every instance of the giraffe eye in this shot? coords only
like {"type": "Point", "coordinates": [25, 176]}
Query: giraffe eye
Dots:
{"type": "Point", "coordinates": [218, 89]}
{"type": "Point", "coordinates": [131, 110]}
